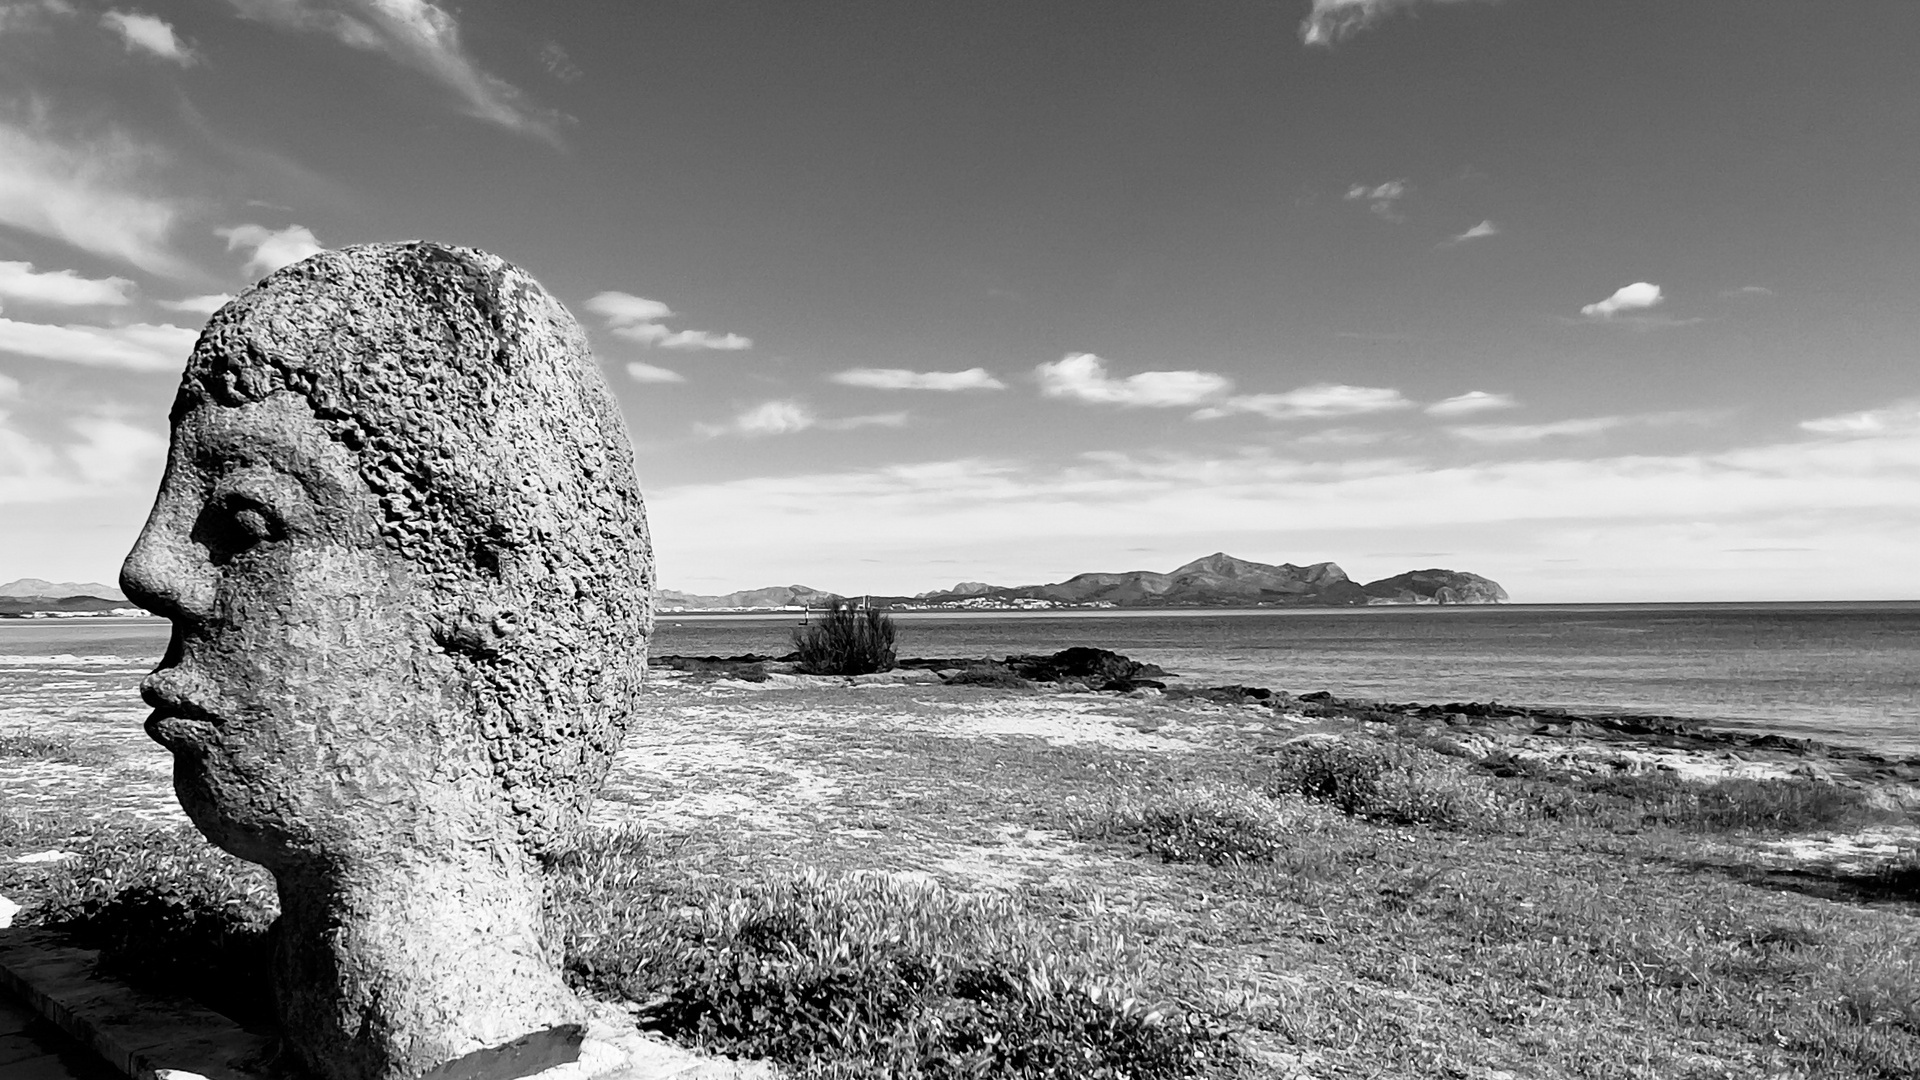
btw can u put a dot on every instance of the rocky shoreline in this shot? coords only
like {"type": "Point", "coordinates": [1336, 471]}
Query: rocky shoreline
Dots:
{"type": "Point", "coordinates": [1524, 740]}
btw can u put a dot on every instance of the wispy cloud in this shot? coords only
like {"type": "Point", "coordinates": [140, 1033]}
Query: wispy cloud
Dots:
{"type": "Point", "coordinates": [637, 318]}
{"type": "Point", "coordinates": [88, 191]}
{"type": "Point", "coordinates": [149, 34]}
{"type": "Point", "coordinates": [766, 418]}
{"type": "Point", "coordinates": [1083, 377]}
{"type": "Point", "coordinates": [198, 305]}
{"type": "Point", "coordinates": [903, 379]}
{"type": "Point", "coordinates": [1747, 292]}
{"type": "Point", "coordinates": [139, 347]}
{"type": "Point", "coordinates": [1311, 402]}
{"type": "Point", "coordinates": [271, 249]}
{"type": "Point", "coordinates": [1335, 20]}
{"type": "Point", "coordinates": [1503, 434]}
{"type": "Point", "coordinates": [1382, 199]}
{"type": "Point", "coordinates": [1472, 401]}
{"type": "Point", "coordinates": [20, 281]}
{"type": "Point", "coordinates": [1639, 296]}
{"type": "Point", "coordinates": [418, 35]}
{"type": "Point", "coordinates": [87, 456]}
{"type": "Point", "coordinates": [647, 373]}
{"type": "Point", "coordinates": [1478, 232]}
{"type": "Point", "coordinates": [1900, 416]}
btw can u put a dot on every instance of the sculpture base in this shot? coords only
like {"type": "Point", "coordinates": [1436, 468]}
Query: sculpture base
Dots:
{"type": "Point", "coordinates": [147, 1036]}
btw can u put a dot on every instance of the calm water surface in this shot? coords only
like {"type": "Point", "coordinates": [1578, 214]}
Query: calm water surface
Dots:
{"type": "Point", "coordinates": [1844, 672]}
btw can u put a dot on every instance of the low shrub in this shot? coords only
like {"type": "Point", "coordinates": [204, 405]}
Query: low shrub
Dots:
{"type": "Point", "coordinates": [169, 910]}
{"type": "Point", "coordinates": [1209, 823]}
{"type": "Point", "coordinates": [990, 675]}
{"type": "Point", "coordinates": [845, 640]}
{"type": "Point", "coordinates": [1395, 784]}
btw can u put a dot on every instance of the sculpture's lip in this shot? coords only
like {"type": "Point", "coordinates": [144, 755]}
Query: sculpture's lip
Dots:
{"type": "Point", "coordinates": [168, 704]}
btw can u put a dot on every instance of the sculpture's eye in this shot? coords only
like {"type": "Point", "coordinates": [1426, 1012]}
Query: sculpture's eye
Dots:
{"type": "Point", "coordinates": [234, 523]}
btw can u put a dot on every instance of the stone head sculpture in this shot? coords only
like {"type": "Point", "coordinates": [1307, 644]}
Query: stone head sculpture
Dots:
{"type": "Point", "coordinates": [403, 550]}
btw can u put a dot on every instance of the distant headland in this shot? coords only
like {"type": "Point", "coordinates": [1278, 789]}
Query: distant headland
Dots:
{"type": "Point", "coordinates": [35, 598]}
{"type": "Point", "coordinates": [1216, 581]}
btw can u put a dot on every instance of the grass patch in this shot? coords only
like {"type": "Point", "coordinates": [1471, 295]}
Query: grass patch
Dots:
{"type": "Point", "coordinates": [1632, 800]}
{"type": "Point", "coordinates": [170, 911]}
{"type": "Point", "coordinates": [863, 975]}
{"type": "Point", "coordinates": [1386, 782]}
{"type": "Point", "coordinates": [18, 746]}
{"type": "Point", "coordinates": [1210, 822]}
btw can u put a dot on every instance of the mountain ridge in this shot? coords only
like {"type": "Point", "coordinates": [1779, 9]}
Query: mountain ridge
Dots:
{"type": "Point", "coordinates": [1216, 580]}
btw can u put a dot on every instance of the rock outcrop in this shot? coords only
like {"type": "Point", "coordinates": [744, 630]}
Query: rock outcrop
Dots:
{"type": "Point", "coordinates": [1435, 587]}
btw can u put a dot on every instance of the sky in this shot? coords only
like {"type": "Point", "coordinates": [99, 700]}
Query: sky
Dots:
{"type": "Point", "coordinates": [1606, 301]}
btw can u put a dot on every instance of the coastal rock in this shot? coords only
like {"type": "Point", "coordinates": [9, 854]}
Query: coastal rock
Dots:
{"type": "Point", "coordinates": [1435, 587]}
{"type": "Point", "coordinates": [402, 546]}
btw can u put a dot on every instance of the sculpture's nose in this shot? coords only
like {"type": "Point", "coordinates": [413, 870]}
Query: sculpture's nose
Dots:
{"type": "Point", "coordinates": [168, 572]}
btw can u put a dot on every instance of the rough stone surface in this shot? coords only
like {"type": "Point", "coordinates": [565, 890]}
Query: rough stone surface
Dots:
{"type": "Point", "coordinates": [405, 557]}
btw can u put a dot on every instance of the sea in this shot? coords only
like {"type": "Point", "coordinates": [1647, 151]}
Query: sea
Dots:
{"type": "Point", "coordinates": [1846, 673]}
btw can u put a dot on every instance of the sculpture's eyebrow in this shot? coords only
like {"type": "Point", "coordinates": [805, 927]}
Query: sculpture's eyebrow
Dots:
{"type": "Point", "coordinates": [227, 441]}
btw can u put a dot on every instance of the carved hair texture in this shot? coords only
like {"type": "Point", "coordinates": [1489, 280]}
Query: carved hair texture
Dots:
{"type": "Point", "coordinates": [481, 425]}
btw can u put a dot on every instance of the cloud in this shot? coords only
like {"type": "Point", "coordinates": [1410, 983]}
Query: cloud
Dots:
{"type": "Point", "coordinates": [902, 379]}
{"type": "Point", "coordinates": [20, 281]}
{"type": "Point", "coordinates": [1083, 377]}
{"type": "Point", "coordinates": [198, 305]}
{"type": "Point", "coordinates": [1638, 296]}
{"type": "Point", "coordinates": [1310, 402]}
{"type": "Point", "coordinates": [271, 248]}
{"type": "Point", "coordinates": [1480, 231]}
{"type": "Point", "coordinates": [637, 318]}
{"type": "Point", "coordinates": [625, 309]}
{"type": "Point", "coordinates": [417, 35]}
{"type": "Point", "coordinates": [149, 34]}
{"type": "Point", "coordinates": [1747, 292]}
{"type": "Point", "coordinates": [86, 191]}
{"type": "Point", "coordinates": [647, 373]}
{"type": "Point", "coordinates": [558, 63]}
{"type": "Point", "coordinates": [1335, 20]}
{"type": "Point", "coordinates": [848, 423]}
{"type": "Point", "coordinates": [1381, 199]}
{"type": "Point", "coordinates": [139, 347]}
{"type": "Point", "coordinates": [1673, 511]}
{"type": "Point", "coordinates": [88, 456]}
{"type": "Point", "coordinates": [1903, 416]}
{"type": "Point", "coordinates": [1472, 401]}
{"type": "Point", "coordinates": [1504, 434]}
{"type": "Point", "coordinates": [766, 418]}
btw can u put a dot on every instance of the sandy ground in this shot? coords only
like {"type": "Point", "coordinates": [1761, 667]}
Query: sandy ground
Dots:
{"type": "Point", "coordinates": [791, 757]}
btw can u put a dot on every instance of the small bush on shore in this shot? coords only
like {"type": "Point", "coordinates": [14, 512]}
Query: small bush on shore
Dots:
{"type": "Point", "coordinates": [845, 640]}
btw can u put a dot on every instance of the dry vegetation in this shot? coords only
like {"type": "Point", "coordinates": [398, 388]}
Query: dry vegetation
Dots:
{"type": "Point", "coordinates": [968, 880]}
